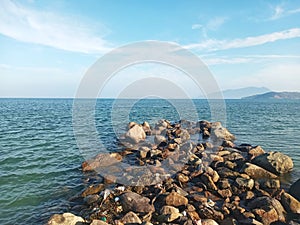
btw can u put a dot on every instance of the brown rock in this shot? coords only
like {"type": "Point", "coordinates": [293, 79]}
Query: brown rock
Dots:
{"type": "Point", "coordinates": [169, 213]}
{"type": "Point", "coordinates": [275, 162]}
{"type": "Point", "coordinates": [244, 183]}
{"type": "Point", "coordinates": [207, 180]}
{"type": "Point", "coordinates": [93, 189]}
{"type": "Point", "coordinates": [131, 201]}
{"type": "Point", "coordinates": [98, 222]}
{"type": "Point", "coordinates": [256, 151]}
{"type": "Point", "coordinates": [208, 222]}
{"type": "Point", "coordinates": [220, 132]}
{"type": "Point", "coordinates": [225, 193]}
{"type": "Point", "coordinates": [175, 199]}
{"type": "Point", "coordinates": [256, 172]}
{"type": "Point", "coordinates": [131, 218]}
{"type": "Point", "coordinates": [290, 203]}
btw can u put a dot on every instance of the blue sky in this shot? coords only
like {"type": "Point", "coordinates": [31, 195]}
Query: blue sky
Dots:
{"type": "Point", "coordinates": [47, 46]}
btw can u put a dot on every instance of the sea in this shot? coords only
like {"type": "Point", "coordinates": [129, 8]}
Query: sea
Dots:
{"type": "Point", "coordinates": [40, 161]}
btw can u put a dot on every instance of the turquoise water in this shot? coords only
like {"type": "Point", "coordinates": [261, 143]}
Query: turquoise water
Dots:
{"type": "Point", "coordinates": [40, 162]}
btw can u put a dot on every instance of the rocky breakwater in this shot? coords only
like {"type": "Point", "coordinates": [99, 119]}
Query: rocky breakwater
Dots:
{"type": "Point", "coordinates": [185, 173]}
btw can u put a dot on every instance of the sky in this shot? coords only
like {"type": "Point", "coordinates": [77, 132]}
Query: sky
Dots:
{"type": "Point", "coordinates": [46, 47]}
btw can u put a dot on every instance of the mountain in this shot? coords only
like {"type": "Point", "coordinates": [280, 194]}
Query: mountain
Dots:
{"type": "Point", "coordinates": [275, 95]}
{"type": "Point", "coordinates": [242, 92]}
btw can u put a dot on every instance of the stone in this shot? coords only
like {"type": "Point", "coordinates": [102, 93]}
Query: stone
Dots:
{"type": "Point", "coordinates": [295, 190]}
{"type": "Point", "coordinates": [175, 199]}
{"type": "Point", "coordinates": [256, 151]}
{"type": "Point", "coordinates": [101, 162]}
{"type": "Point", "coordinates": [136, 134]}
{"type": "Point", "coordinates": [182, 178]}
{"type": "Point", "coordinates": [144, 151]}
{"type": "Point", "coordinates": [131, 218]}
{"type": "Point", "coordinates": [210, 213]}
{"type": "Point", "coordinates": [225, 193]}
{"type": "Point", "coordinates": [225, 172]}
{"type": "Point", "coordinates": [207, 180]}
{"type": "Point", "coordinates": [269, 183]}
{"type": "Point", "coordinates": [93, 189]}
{"type": "Point", "coordinates": [244, 183]}
{"type": "Point", "coordinates": [218, 132]}
{"type": "Point", "coordinates": [290, 203]}
{"type": "Point", "coordinates": [256, 172]}
{"type": "Point", "coordinates": [275, 162]}
{"type": "Point", "coordinates": [267, 209]}
{"type": "Point", "coordinates": [146, 128]}
{"type": "Point", "coordinates": [169, 213]}
{"type": "Point", "coordinates": [131, 201]}
{"type": "Point", "coordinates": [229, 144]}
{"type": "Point", "coordinates": [90, 199]}
{"type": "Point", "coordinates": [224, 183]}
{"type": "Point", "coordinates": [208, 222]}
{"type": "Point", "coordinates": [158, 139]}
{"type": "Point", "coordinates": [65, 219]}
{"type": "Point", "coordinates": [98, 222]}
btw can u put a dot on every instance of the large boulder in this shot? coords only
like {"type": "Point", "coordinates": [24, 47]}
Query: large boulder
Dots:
{"type": "Point", "coordinates": [65, 219]}
{"type": "Point", "coordinates": [290, 203]}
{"type": "Point", "coordinates": [274, 162]}
{"type": "Point", "coordinates": [135, 134]}
{"type": "Point", "coordinates": [131, 201]}
{"type": "Point", "coordinates": [295, 189]}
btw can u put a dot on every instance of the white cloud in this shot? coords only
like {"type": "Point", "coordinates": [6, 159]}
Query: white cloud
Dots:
{"type": "Point", "coordinates": [215, 45]}
{"type": "Point", "coordinates": [49, 29]}
{"type": "Point", "coordinates": [215, 23]}
{"type": "Point", "coordinates": [278, 12]}
{"type": "Point", "coordinates": [197, 26]}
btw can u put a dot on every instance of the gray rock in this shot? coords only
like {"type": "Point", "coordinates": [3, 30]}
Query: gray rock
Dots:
{"type": "Point", "coordinates": [131, 201]}
{"type": "Point", "coordinates": [218, 132]}
{"type": "Point", "coordinates": [274, 162]}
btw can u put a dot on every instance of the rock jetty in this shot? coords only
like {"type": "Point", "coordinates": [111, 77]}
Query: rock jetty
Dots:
{"type": "Point", "coordinates": [184, 173]}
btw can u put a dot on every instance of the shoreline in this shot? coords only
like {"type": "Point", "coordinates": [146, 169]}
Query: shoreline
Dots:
{"type": "Point", "coordinates": [184, 182]}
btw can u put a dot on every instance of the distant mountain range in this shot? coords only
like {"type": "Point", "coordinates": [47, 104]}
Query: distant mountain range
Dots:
{"type": "Point", "coordinates": [241, 92]}
{"type": "Point", "coordinates": [275, 95]}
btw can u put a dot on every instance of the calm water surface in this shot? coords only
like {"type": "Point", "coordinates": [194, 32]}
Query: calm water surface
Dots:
{"type": "Point", "coordinates": [40, 162]}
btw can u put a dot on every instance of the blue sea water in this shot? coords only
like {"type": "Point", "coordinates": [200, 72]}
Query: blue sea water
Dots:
{"type": "Point", "coordinates": [40, 161]}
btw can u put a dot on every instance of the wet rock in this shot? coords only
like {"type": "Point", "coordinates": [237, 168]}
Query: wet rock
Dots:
{"type": "Point", "coordinates": [131, 218]}
{"type": "Point", "coordinates": [244, 183]}
{"type": "Point", "coordinates": [131, 201]}
{"type": "Point", "coordinates": [295, 190]}
{"type": "Point", "coordinates": [175, 199]}
{"type": "Point", "coordinates": [290, 203]}
{"type": "Point", "coordinates": [136, 134]}
{"type": "Point", "coordinates": [256, 172]}
{"type": "Point", "coordinates": [218, 132]}
{"type": "Point", "coordinates": [274, 162]}
{"type": "Point", "coordinates": [93, 189]}
{"type": "Point", "coordinates": [169, 214]}
{"type": "Point", "coordinates": [65, 219]}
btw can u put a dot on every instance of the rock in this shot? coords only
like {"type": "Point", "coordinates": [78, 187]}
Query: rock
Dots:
{"type": "Point", "coordinates": [295, 190]}
{"type": "Point", "coordinates": [267, 209]}
{"type": "Point", "coordinates": [225, 193]}
{"type": "Point", "coordinates": [185, 136]}
{"type": "Point", "coordinates": [175, 199]}
{"type": "Point", "coordinates": [98, 222]}
{"type": "Point", "coordinates": [169, 213]}
{"type": "Point", "coordinates": [244, 183]}
{"type": "Point", "coordinates": [256, 172]}
{"type": "Point", "coordinates": [274, 162]}
{"type": "Point", "coordinates": [131, 201]}
{"type": "Point", "coordinates": [136, 134]}
{"type": "Point", "coordinates": [208, 222]}
{"type": "Point", "coordinates": [90, 199]}
{"type": "Point", "coordinates": [207, 180]}
{"type": "Point", "coordinates": [131, 218]}
{"type": "Point", "coordinates": [225, 172]}
{"type": "Point", "coordinates": [228, 144]}
{"type": "Point", "coordinates": [290, 203]}
{"type": "Point", "coordinates": [210, 213]}
{"type": "Point", "coordinates": [65, 219]}
{"type": "Point", "coordinates": [158, 139]}
{"type": "Point", "coordinates": [101, 161]}
{"type": "Point", "coordinates": [269, 183]}
{"type": "Point", "coordinates": [93, 189]}
{"type": "Point", "coordinates": [218, 132]}
{"type": "Point", "coordinates": [256, 151]}
{"type": "Point", "coordinates": [144, 151]}
{"type": "Point", "coordinates": [224, 183]}
{"type": "Point", "coordinates": [146, 128]}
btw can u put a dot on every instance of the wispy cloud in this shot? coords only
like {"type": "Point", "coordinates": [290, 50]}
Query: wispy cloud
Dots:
{"type": "Point", "coordinates": [211, 25]}
{"type": "Point", "coordinates": [216, 45]}
{"type": "Point", "coordinates": [49, 29]}
{"type": "Point", "coordinates": [278, 11]}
